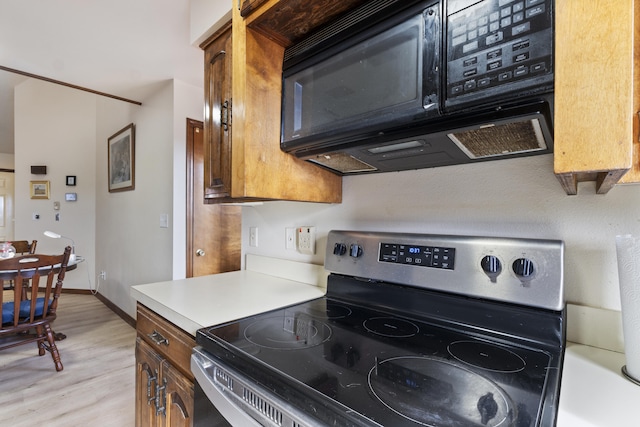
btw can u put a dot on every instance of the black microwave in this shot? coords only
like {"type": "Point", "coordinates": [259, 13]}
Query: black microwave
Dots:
{"type": "Point", "coordinates": [399, 84]}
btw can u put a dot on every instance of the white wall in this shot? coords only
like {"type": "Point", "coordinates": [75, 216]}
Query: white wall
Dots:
{"type": "Point", "coordinates": [6, 161]}
{"type": "Point", "coordinates": [119, 233]}
{"type": "Point", "coordinates": [131, 247]}
{"type": "Point", "coordinates": [518, 197]}
{"type": "Point", "coordinates": [188, 103]}
{"type": "Point", "coordinates": [55, 127]}
{"type": "Point", "coordinates": [203, 13]}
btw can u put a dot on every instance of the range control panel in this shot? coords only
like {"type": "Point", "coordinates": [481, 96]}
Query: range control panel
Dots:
{"type": "Point", "coordinates": [516, 270]}
{"type": "Point", "coordinates": [421, 256]}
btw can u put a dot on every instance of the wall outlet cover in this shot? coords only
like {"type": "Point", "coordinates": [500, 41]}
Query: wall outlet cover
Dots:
{"type": "Point", "coordinates": [306, 240]}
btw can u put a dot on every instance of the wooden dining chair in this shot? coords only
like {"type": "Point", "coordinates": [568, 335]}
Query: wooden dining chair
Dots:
{"type": "Point", "coordinates": [29, 320]}
{"type": "Point", "coordinates": [24, 247]}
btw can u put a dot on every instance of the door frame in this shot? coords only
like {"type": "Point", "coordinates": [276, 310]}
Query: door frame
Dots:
{"type": "Point", "coordinates": [190, 199]}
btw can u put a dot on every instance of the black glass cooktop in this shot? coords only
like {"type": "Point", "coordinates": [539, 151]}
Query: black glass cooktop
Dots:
{"type": "Point", "coordinates": [350, 364]}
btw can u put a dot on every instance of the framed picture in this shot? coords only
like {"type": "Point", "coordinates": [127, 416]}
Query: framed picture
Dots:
{"type": "Point", "coordinates": [39, 189]}
{"type": "Point", "coordinates": [71, 197]}
{"type": "Point", "coordinates": [71, 180]}
{"type": "Point", "coordinates": [121, 155]}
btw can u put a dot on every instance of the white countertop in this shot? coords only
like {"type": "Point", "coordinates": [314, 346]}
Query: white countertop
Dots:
{"type": "Point", "coordinates": [199, 302]}
{"type": "Point", "coordinates": [593, 391]}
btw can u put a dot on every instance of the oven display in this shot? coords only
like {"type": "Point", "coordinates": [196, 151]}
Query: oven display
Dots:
{"type": "Point", "coordinates": [422, 256]}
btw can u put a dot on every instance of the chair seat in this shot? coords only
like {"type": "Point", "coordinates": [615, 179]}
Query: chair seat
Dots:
{"type": "Point", "coordinates": [25, 309]}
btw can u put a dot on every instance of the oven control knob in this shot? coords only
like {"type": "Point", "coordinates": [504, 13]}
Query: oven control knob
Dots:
{"type": "Point", "coordinates": [523, 267]}
{"type": "Point", "coordinates": [339, 249]}
{"type": "Point", "coordinates": [491, 265]}
{"type": "Point", "coordinates": [355, 251]}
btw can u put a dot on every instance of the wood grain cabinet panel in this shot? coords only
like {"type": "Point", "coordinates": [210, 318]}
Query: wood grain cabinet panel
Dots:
{"type": "Point", "coordinates": [164, 383]}
{"type": "Point", "coordinates": [165, 338]}
{"type": "Point", "coordinates": [242, 124]}
{"type": "Point", "coordinates": [217, 126]}
{"type": "Point", "coordinates": [596, 93]}
{"type": "Point", "coordinates": [288, 21]}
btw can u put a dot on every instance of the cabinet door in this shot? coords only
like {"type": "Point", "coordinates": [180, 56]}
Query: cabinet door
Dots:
{"type": "Point", "coordinates": [178, 397]}
{"type": "Point", "coordinates": [147, 376]}
{"type": "Point", "coordinates": [217, 123]}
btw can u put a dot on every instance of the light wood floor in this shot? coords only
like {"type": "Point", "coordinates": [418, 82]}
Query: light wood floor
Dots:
{"type": "Point", "coordinates": [96, 387]}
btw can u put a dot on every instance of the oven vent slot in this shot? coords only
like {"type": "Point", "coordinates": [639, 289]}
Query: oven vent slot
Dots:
{"type": "Point", "coordinates": [264, 407]}
{"type": "Point", "coordinates": [224, 379]}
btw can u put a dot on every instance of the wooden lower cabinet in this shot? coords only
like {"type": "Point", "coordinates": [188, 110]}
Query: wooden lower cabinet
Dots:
{"type": "Point", "coordinates": [164, 384]}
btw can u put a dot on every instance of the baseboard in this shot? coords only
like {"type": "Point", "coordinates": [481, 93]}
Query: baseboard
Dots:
{"type": "Point", "coordinates": [123, 315]}
{"type": "Point", "coordinates": [76, 291]}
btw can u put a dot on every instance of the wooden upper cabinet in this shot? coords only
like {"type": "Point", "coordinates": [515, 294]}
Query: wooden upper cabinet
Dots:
{"type": "Point", "coordinates": [217, 125]}
{"type": "Point", "coordinates": [243, 160]}
{"type": "Point", "coordinates": [288, 21]}
{"type": "Point", "coordinates": [596, 97]}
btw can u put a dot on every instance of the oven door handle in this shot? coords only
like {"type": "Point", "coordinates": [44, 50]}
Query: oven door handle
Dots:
{"type": "Point", "coordinates": [202, 370]}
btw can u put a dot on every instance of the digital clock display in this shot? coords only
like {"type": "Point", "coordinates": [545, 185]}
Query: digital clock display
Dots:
{"type": "Point", "coordinates": [418, 255]}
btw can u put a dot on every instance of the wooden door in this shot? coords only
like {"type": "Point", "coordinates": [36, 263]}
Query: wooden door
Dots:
{"type": "Point", "coordinates": [213, 231]}
{"type": "Point", "coordinates": [147, 376]}
{"type": "Point", "coordinates": [179, 397]}
{"type": "Point", "coordinates": [218, 116]}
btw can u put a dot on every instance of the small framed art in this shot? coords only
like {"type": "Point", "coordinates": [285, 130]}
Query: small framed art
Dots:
{"type": "Point", "coordinates": [121, 157]}
{"type": "Point", "coordinates": [39, 189]}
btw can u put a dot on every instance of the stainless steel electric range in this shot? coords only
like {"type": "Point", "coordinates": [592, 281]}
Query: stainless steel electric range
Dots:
{"type": "Point", "coordinates": [414, 330]}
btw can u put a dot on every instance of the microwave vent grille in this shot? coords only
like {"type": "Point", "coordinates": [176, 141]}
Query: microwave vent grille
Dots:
{"type": "Point", "coordinates": [498, 140]}
{"type": "Point", "coordinates": [342, 162]}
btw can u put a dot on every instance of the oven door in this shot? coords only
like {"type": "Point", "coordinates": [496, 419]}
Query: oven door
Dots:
{"type": "Point", "coordinates": [225, 397]}
{"type": "Point", "coordinates": [212, 407]}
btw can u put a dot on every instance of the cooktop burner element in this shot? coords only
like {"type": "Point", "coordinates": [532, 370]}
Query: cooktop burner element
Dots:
{"type": "Point", "coordinates": [334, 311]}
{"type": "Point", "coordinates": [486, 356]}
{"type": "Point", "coordinates": [441, 342]}
{"type": "Point", "coordinates": [288, 333]}
{"type": "Point", "coordinates": [391, 327]}
{"type": "Point", "coordinates": [439, 393]}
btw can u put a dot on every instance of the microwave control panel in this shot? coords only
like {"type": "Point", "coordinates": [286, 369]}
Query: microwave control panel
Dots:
{"type": "Point", "coordinates": [497, 46]}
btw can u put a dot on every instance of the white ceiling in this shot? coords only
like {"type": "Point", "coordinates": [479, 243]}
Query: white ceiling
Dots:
{"type": "Point", "coordinates": [120, 47]}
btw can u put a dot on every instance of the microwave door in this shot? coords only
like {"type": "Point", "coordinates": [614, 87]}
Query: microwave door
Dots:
{"type": "Point", "coordinates": [370, 85]}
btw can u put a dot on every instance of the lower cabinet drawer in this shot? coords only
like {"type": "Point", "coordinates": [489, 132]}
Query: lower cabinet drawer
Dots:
{"type": "Point", "coordinates": [167, 339]}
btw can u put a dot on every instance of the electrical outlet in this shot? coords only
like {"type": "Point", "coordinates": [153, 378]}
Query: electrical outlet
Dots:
{"type": "Point", "coordinates": [253, 237]}
{"type": "Point", "coordinates": [103, 275]}
{"type": "Point", "coordinates": [290, 238]}
{"type": "Point", "coordinates": [306, 240]}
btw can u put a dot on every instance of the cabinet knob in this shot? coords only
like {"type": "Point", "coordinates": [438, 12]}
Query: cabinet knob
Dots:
{"type": "Point", "coordinates": [200, 252]}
